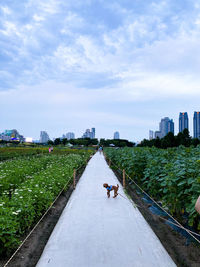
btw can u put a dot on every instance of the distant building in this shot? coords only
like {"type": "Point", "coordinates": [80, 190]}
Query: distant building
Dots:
{"type": "Point", "coordinates": [166, 126]}
{"type": "Point", "coordinates": [183, 121]}
{"type": "Point", "coordinates": [158, 134]}
{"type": "Point", "coordinates": [93, 133]}
{"type": "Point", "coordinates": [89, 133]}
{"type": "Point", "coordinates": [44, 138]}
{"type": "Point", "coordinates": [12, 135]}
{"type": "Point", "coordinates": [151, 134]}
{"type": "Point", "coordinates": [70, 136]}
{"type": "Point", "coordinates": [196, 124]}
{"type": "Point", "coordinates": [116, 135]}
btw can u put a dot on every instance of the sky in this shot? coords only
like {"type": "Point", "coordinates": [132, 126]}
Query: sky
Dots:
{"type": "Point", "coordinates": [121, 65]}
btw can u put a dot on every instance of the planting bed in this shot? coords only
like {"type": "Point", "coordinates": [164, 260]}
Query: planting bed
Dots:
{"type": "Point", "coordinates": [184, 253]}
{"type": "Point", "coordinates": [30, 252]}
{"type": "Point", "coordinates": [28, 187]}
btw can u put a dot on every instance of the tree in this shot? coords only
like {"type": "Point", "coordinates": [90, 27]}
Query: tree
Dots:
{"type": "Point", "coordinates": [64, 141]}
{"type": "Point", "coordinates": [168, 141]}
{"type": "Point", "coordinates": [183, 138]}
{"type": "Point", "coordinates": [195, 142]}
{"type": "Point", "coordinates": [116, 142]}
{"type": "Point", "coordinates": [57, 141]}
{"type": "Point", "coordinates": [50, 142]}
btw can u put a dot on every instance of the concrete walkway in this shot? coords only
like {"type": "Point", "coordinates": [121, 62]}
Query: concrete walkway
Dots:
{"type": "Point", "coordinates": [94, 231]}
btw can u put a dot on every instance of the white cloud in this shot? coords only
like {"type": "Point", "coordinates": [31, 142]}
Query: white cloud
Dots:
{"type": "Point", "coordinates": [38, 18]}
{"type": "Point", "coordinates": [6, 10]}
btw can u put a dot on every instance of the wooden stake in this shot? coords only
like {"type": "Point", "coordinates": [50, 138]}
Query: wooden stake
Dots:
{"type": "Point", "coordinates": [109, 163]}
{"type": "Point", "coordinates": [124, 179]}
{"type": "Point", "coordinates": [74, 179]}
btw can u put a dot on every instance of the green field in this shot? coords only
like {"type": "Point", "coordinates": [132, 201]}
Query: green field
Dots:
{"type": "Point", "coordinates": [170, 176]}
{"type": "Point", "coordinates": [16, 152]}
{"type": "Point", "coordinates": [28, 186]}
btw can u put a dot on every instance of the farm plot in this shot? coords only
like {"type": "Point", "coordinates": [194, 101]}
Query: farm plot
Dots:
{"type": "Point", "coordinates": [27, 188]}
{"type": "Point", "coordinates": [171, 176]}
{"type": "Point", "coordinates": [7, 153]}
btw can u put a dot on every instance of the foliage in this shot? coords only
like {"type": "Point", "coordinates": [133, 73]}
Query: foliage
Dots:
{"type": "Point", "coordinates": [171, 176]}
{"type": "Point", "coordinates": [23, 152]}
{"type": "Point", "coordinates": [116, 142]}
{"type": "Point", "coordinates": [28, 187]}
{"type": "Point", "coordinates": [84, 141]}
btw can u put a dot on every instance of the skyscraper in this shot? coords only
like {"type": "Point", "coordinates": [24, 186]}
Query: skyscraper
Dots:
{"type": "Point", "coordinates": [151, 134]}
{"type": "Point", "coordinates": [116, 135]}
{"type": "Point", "coordinates": [70, 135]}
{"type": "Point", "coordinates": [158, 134]}
{"type": "Point", "coordinates": [12, 135]}
{"type": "Point", "coordinates": [166, 126]}
{"type": "Point", "coordinates": [93, 133]}
{"type": "Point", "coordinates": [183, 121]}
{"type": "Point", "coordinates": [89, 134]}
{"type": "Point", "coordinates": [44, 138]}
{"type": "Point", "coordinates": [196, 124]}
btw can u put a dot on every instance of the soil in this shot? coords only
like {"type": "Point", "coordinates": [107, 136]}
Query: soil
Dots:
{"type": "Point", "coordinates": [182, 253]}
{"type": "Point", "coordinates": [29, 254]}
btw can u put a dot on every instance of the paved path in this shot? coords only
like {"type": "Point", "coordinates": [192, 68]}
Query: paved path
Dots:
{"type": "Point", "coordinates": [94, 231]}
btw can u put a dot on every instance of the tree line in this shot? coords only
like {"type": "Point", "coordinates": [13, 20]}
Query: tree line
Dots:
{"type": "Point", "coordinates": [92, 142]}
{"type": "Point", "coordinates": [171, 140]}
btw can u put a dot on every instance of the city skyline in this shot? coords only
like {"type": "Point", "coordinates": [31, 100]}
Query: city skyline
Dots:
{"type": "Point", "coordinates": [183, 122]}
{"type": "Point", "coordinates": [168, 125]}
{"type": "Point", "coordinates": [115, 65]}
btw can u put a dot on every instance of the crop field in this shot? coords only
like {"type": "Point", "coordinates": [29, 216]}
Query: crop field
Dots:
{"type": "Point", "coordinates": [16, 152]}
{"type": "Point", "coordinates": [28, 186]}
{"type": "Point", "coordinates": [170, 176]}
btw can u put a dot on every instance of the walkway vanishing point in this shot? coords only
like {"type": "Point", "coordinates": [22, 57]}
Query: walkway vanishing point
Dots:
{"type": "Point", "coordinates": [94, 231]}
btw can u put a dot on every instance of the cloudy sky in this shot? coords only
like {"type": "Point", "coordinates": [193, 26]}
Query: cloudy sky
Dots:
{"type": "Point", "coordinates": [113, 65]}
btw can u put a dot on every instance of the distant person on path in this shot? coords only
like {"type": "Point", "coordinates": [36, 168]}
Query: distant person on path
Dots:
{"type": "Point", "coordinates": [197, 205]}
{"type": "Point", "coordinates": [100, 149]}
{"type": "Point", "coordinates": [49, 150]}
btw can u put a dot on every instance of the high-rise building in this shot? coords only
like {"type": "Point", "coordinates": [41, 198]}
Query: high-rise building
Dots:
{"type": "Point", "coordinates": [70, 136]}
{"type": "Point", "coordinates": [166, 126]}
{"type": "Point", "coordinates": [116, 135]}
{"type": "Point", "coordinates": [196, 124]}
{"type": "Point", "coordinates": [93, 133]}
{"type": "Point", "coordinates": [151, 134]}
{"type": "Point", "coordinates": [44, 138]}
{"type": "Point", "coordinates": [158, 134]}
{"type": "Point", "coordinates": [12, 135]}
{"type": "Point", "coordinates": [183, 121]}
{"type": "Point", "coordinates": [89, 134]}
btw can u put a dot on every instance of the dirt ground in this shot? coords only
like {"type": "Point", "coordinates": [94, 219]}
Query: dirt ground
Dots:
{"type": "Point", "coordinates": [182, 254]}
{"type": "Point", "coordinates": [30, 252]}
{"type": "Point", "coordinates": [176, 245]}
